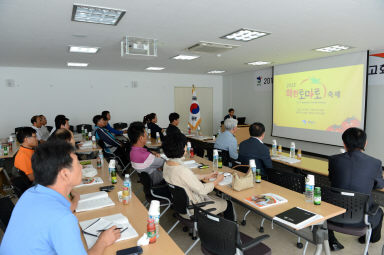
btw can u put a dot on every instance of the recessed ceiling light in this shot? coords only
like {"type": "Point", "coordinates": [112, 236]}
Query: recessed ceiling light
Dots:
{"type": "Point", "coordinates": [185, 57]}
{"type": "Point", "coordinates": [75, 64]}
{"type": "Point", "coordinates": [244, 35]}
{"type": "Point", "coordinates": [333, 48]}
{"type": "Point", "coordinates": [155, 68]}
{"type": "Point", "coordinates": [83, 49]}
{"type": "Point", "coordinates": [98, 15]}
{"type": "Point", "coordinates": [216, 72]}
{"type": "Point", "coordinates": [258, 63]}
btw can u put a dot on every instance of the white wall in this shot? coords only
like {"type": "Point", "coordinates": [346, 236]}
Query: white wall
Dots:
{"type": "Point", "coordinates": [81, 94]}
{"type": "Point", "coordinates": [255, 102]}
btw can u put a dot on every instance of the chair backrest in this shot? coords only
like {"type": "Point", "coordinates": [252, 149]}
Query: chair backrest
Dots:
{"type": "Point", "coordinates": [120, 125]}
{"type": "Point", "coordinates": [20, 183]}
{"type": "Point", "coordinates": [355, 203]}
{"type": "Point", "coordinates": [17, 129]}
{"type": "Point", "coordinates": [217, 235]}
{"type": "Point", "coordinates": [241, 168]}
{"type": "Point", "coordinates": [146, 180]}
{"type": "Point", "coordinates": [71, 128]}
{"type": "Point", "coordinates": [292, 181]}
{"type": "Point", "coordinates": [225, 157]}
{"type": "Point", "coordinates": [6, 208]}
{"type": "Point", "coordinates": [86, 126]}
{"type": "Point", "coordinates": [179, 197]}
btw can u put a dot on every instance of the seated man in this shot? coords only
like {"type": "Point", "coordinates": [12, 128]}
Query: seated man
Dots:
{"type": "Point", "coordinates": [227, 140]}
{"type": "Point", "coordinates": [110, 144]}
{"type": "Point", "coordinates": [42, 222]}
{"type": "Point", "coordinates": [358, 172]}
{"type": "Point", "coordinates": [43, 129]}
{"type": "Point", "coordinates": [173, 123]}
{"type": "Point", "coordinates": [254, 148]}
{"type": "Point", "coordinates": [141, 159]}
{"type": "Point", "coordinates": [36, 125]}
{"type": "Point", "coordinates": [60, 122]}
{"type": "Point", "coordinates": [26, 136]}
{"type": "Point", "coordinates": [231, 114]}
{"type": "Point", "coordinates": [107, 116]}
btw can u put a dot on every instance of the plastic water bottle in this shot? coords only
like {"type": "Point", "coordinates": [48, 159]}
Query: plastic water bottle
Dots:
{"type": "Point", "coordinates": [252, 165]}
{"type": "Point", "coordinates": [149, 136]}
{"type": "Point", "coordinates": [189, 149]}
{"type": "Point", "coordinates": [89, 135]}
{"type": "Point", "coordinates": [292, 150]}
{"type": "Point", "coordinates": [215, 160]}
{"type": "Point", "coordinates": [111, 168]}
{"type": "Point", "coordinates": [198, 131]}
{"type": "Point", "coordinates": [274, 147]}
{"type": "Point", "coordinates": [309, 187]}
{"type": "Point", "coordinates": [127, 184]}
{"type": "Point", "coordinates": [189, 130]}
{"type": "Point", "coordinates": [10, 143]}
{"type": "Point", "coordinates": [157, 137]}
{"type": "Point", "coordinates": [94, 145]}
{"type": "Point", "coordinates": [101, 157]}
{"type": "Point", "coordinates": [1, 149]}
{"type": "Point", "coordinates": [154, 214]}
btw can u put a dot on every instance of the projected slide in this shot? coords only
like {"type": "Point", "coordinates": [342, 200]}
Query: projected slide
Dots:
{"type": "Point", "coordinates": [324, 100]}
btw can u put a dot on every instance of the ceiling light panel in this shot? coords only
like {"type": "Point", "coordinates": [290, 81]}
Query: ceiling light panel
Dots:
{"type": "Point", "coordinates": [333, 48]}
{"type": "Point", "coordinates": [98, 15]}
{"type": "Point", "coordinates": [155, 68]}
{"type": "Point", "coordinates": [185, 57]}
{"type": "Point", "coordinates": [216, 72]}
{"type": "Point", "coordinates": [83, 49]}
{"type": "Point", "coordinates": [244, 35]}
{"type": "Point", "coordinates": [76, 64]}
{"type": "Point", "coordinates": [258, 63]}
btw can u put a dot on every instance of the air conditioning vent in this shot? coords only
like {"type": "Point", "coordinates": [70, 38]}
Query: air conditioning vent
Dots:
{"type": "Point", "coordinates": [210, 47]}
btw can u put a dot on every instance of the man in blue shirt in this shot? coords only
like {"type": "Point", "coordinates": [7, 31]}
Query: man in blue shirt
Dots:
{"type": "Point", "coordinates": [42, 222]}
{"type": "Point", "coordinates": [227, 140]}
{"type": "Point", "coordinates": [107, 116]}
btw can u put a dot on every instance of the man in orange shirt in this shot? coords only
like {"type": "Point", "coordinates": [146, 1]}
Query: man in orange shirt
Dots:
{"type": "Point", "coordinates": [27, 138]}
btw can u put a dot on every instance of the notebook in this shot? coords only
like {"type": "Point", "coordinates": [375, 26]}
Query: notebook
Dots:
{"type": "Point", "coordinates": [92, 201]}
{"type": "Point", "coordinates": [266, 200]}
{"type": "Point", "coordinates": [297, 217]}
{"type": "Point", "coordinates": [90, 228]}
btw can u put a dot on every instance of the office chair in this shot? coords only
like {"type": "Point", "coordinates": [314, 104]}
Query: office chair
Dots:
{"type": "Point", "coordinates": [150, 190]}
{"type": "Point", "coordinates": [120, 125]}
{"type": "Point", "coordinates": [20, 182]}
{"type": "Point", "coordinates": [110, 155]}
{"type": "Point", "coordinates": [86, 126]}
{"type": "Point", "coordinates": [6, 208]}
{"type": "Point", "coordinates": [220, 236]}
{"type": "Point", "coordinates": [358, 211]}
{"type": "Point", "coordinates": [182, 207]}
{"type": "Point", "coordinates": [49, 128]}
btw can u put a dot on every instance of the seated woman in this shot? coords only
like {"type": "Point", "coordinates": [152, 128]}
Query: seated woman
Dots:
{"type": "Point", "coordinates": [151, 120]}
{"type": "Point", "coordinates": [67, 135]}
{"type": "Point", "coordinates": [174, 172]}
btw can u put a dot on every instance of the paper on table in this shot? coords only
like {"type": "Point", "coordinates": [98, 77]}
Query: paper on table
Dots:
{"type": "Point", "coordinates": [90, 182]}
{"type": "Point", "coordinates": [116, 219]}
{"type": "Point", "coordinates": [89, 171]}
{"type": "Point", "coordinates": [86, 144]}
{"type": "Point", "coordinates": [92, 201]}
{"type": "Point", "coordinates": [286, 159]}
{"type": "Point", "coordinates": [191, 164]}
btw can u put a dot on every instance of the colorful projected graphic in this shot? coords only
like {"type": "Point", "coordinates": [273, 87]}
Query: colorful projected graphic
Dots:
{"type": "Point", "coordinates": [323, 99]}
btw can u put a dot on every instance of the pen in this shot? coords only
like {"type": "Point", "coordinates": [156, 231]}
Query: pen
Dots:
{"type": "Point", "coordinates": [102, 230]}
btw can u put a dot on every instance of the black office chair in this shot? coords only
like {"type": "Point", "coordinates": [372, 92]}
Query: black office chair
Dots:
{"type": "Point", "coordinates": [357, 206]}
{"type": "Point", "coordinates": [182, 206]}
{"type": "Point", "coordinates": [72, 128]}
{"type": "Point", "coordinates": [150, 190]}
{"type": "Point", "coordinates": [220, 236]}
{"type": "Point", "coordinates": [226, 159]}
{"type": "Point", "coordinates": [20, 182]}
{"type": "Point", "coordinates": [17, 129]}
{"type": "Point", "coordinates": [86, 126]}
{"type": "Point", "coordinates": [120, 125]}
{"type": "Point", "coordinates": [110, 155]}
{"type": "Point", "coordinates": [49, 128]}
{"type": "Point", "coordinates": [6, 208]}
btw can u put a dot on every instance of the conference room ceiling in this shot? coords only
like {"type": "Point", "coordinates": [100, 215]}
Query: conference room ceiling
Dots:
{"type": "Point", "coordinates": [37, 33]}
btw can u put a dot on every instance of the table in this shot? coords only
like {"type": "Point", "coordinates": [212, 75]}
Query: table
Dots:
{"type": "Point", "coordinates": [135, 212]}
{"type": "Point", "coordinates": [88, 149]}
{"type": "Point", "coordinates": [319, 234]}
{"type": "Point", "coordinates": [153, 144]}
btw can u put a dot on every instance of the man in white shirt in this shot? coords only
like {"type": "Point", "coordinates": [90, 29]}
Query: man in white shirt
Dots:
{"type": "Point", "coordinates": [36, 125]}
{"type": "Point", "coordinates": [43, 129]}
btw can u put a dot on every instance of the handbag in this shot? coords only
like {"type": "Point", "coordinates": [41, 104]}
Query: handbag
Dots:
{"type": "Point", "coordinates": [244, 182]}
